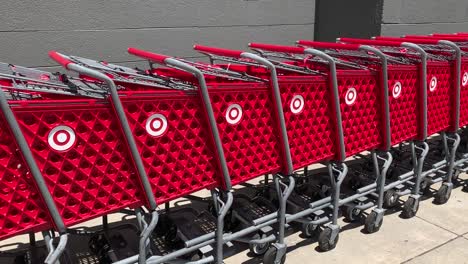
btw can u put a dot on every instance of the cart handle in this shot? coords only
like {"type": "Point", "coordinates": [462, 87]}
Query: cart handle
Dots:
{"type": "Point", "coordinates": [277, 48]}
{"type": "Point", "coordinates": [219, 51]}
{"type": "Point", "coordinates": [407, 39]}
{"type": "Point", "coordinates": [59, 58]}
{"type": "Point", "coordinates": [158, 58]}
{"type": "Point", "coordinates": [372, 42]}
{"type": "Point", "coordinates": [439, 37]}
{"type": "Point", "coordinates": [328, 45]}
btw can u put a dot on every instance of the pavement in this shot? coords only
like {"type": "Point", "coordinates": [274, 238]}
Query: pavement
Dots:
{"type": "Point", "coordinates": [437, 234]}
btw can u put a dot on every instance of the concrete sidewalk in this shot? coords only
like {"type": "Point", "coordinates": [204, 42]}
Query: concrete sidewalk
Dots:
{"type": "Point", "coordinates": [438, 234]}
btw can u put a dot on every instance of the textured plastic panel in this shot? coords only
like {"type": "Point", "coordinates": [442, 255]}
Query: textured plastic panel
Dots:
{"type": "Point", "coordinates": [439, 96]}
{"type": "Point", "coordinates": [361, 110]}
{"type": "Point", "coordinates": [248, 129]}
{"type": "Point", "coordinates": [404, 100]}
{"type": "Point", "coordinates": [79, 149]}
{"type": "Point", "coordinates": [464, 93]}
{"type": "Point", "coordinates": [179, 158]}
{"type": "Point", "coordinates": [307, 108]}
{"type": "Point", "coordinates": [21, 207]}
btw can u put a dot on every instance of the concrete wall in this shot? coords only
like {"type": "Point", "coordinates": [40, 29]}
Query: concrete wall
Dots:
{"type": "Point", "coordinates": [104, 29]}
{"type": "Point", "coordinates": [424, 16]}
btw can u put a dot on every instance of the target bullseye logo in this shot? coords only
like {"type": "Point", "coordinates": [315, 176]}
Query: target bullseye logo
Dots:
{"type": "Point", "coordinates": [61, 138]}
{"type": "Point", "coordinates": [351, 96]}
{"type": "Point", "coordinates": [396, 90]}
{"type": "Point", "coordinates": [234, 114]}
{"type": "Point", "coordinates": [433, 84]}
{"type": "Point", "coordinates": [156, 125]}
{"type": "Point", "coordinates": [465, 79]}
{"type": "Point", "coordinates": [297, 104]}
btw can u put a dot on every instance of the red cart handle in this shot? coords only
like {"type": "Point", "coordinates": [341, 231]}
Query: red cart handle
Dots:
{"type": "Point", "coordinates": [328, 45]}
{"type": "Point", "coordinates": [439, 37]}
{"type": "Point", "coordinates": [158, 58]}
{"type": "Point", "coordinates": [62, 60]}
{"type": "Point", "coordinates": [277, 48]}
{"type": "Point", "coordinates": [372, 42]}
{"type": "Point", "coordinates": [411, 40]}
{"type": "Point", "coordinates": [218, 51]}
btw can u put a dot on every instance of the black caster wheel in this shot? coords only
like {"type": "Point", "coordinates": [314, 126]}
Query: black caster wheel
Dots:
{"type": "Point", "coordinates": [325, 241]}
{"type": "Point", "coordinates": [259, 249]}
{"type": "Point", "coordinates": [351, 213]}
{"type": "Point", "coordinates": [391, 199]}
{"type": "Point", "coordinates": [270, 256]}
{"type": "Point", "coordinates": [372, 225]}
{"type": "Point", "coordinates": [443, 194]}
{"type": "Point", "coordinates": [310, 230]}
{"type": "Point", "coordinates": [411, 207]}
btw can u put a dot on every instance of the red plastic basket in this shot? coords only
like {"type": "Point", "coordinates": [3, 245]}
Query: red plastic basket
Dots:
{"type": "Point", "coordinates": [360, 102]}
{"type": "Point", "coordinates": [404, 102]}
{"type": "Point", "coordinates": [440, 92]}
{"type": "Point", "coordinates": [464, 93]}
{"type": "Point", "coordinates": [21, 206]}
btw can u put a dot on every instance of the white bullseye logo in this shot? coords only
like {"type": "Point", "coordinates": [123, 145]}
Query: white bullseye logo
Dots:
{"type": "Point", "coordinates": [61, 138]}
{"type": "Point", "coordinates": [234, 114]}
{"type": "Point", "coordinates": [156, 125]}
{"type": "Point", "coordinates": [297, 104]}
{"type": "Point", "coordinates": [350, 96]}
{"type": "Point", "coordinates": [465, 79]}
{"type": "Point", "coordinates": [396, 90]}
{"type": "Point", "coordinates": [433, 84]}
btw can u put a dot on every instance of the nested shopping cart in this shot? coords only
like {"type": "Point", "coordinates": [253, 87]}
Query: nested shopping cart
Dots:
{"type": "Point", "coordinates": [174, 139]}
{"type": "Point", "coordinates": [307, 98]}
{"type": "Point", "coordinates": [75, 182]}
{"type": "Point", "coordinates": [252, 133]}
{"type": "Point", "coordinates": [443, 109]}
{"type": "Point", "coordinates": [462, 42]}
{"type": "Point", "coordinates": [350, 81]}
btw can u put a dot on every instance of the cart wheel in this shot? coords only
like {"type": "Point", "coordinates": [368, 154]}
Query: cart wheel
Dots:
{"type": "Point", "coordinates": [171, 237]}
{"type": "Point", "coordinates": [325, 241]}
{"type": "Point", "coordinates": [310, 230]}
{"type": "Point", "coordinates": [391, 198]}
{"type": "Point", "coordinates": [270, 256]}
{"type": "Point", "coordinates": [372, 225]}
{"type": "Point", "coordinates": [443, 194]}
{"type": "Point", "coordinates": [259, 249]}
{"type": "Point", "coordinates": [411, 207]}
{"type": "Point", "coordinates": [352, 214]}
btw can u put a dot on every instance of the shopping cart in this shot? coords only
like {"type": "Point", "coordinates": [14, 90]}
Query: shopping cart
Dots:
{"type": "Point", "coordinates": [158, 118]}
{"type": "Point", "coordinates": [297, 86]}
{"type": "Point", "coordinates": [348, 105]}
{"type": "Point", "coordinates": [462, 42]}
{"type": "Point", "coordinates": [248, 125]}
{"type": "Point", "coordinates": [443, 109]}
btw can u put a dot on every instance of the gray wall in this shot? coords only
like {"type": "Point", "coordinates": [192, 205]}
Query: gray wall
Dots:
{"type": "Point", "coordinates": [424, 16]}
{"type": "Point", "coordinates": [104, 29]}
